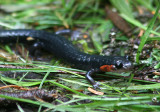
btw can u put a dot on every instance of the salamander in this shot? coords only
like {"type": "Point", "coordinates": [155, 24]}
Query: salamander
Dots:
{"type": "Point", "coordinates": [64, 49]}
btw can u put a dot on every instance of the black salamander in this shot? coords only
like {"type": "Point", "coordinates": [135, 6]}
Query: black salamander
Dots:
{"type": "Point", "coordinates": [64, 49]}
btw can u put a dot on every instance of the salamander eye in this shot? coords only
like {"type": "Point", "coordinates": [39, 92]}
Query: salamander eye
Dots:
{"type": "Point", "coordinates": [119, 64]}
{"type": "Point", "coordinates": [128, 57]}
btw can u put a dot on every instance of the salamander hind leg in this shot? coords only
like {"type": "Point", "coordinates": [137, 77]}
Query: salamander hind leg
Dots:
{"type": "Point", "coordinates": [91, 80]}
{"type": "Point", "coordinates": [35, 48]}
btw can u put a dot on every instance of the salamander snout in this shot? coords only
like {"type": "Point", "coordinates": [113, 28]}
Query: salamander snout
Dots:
{"type": "Point", "coordinates": [123, 64]}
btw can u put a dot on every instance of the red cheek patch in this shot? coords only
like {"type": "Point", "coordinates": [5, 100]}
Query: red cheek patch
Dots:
{"type": "Point", "coordinates": [106, 68]}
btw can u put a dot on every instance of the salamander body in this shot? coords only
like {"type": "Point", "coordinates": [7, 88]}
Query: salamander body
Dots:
{"type": "Point", "coordinates": [64, 49]}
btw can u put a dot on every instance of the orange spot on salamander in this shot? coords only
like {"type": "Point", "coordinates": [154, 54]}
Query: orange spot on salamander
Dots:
{"type": "Point", "coordinates": [106, 68]}
{"type": "Point", "coordinates": [29, 38]}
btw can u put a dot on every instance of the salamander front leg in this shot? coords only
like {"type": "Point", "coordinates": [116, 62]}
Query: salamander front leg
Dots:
{"type": "Point", "coordinates": [91, 80]}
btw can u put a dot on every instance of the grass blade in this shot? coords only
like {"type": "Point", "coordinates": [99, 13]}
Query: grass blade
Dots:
{"type": "Point", "coordinates": [146, 34]}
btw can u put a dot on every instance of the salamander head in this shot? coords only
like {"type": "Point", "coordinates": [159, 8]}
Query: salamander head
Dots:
{"type": "Point", "coordinates": [123, 64]}
{"type": "Point", "coordinates": [119, 64]}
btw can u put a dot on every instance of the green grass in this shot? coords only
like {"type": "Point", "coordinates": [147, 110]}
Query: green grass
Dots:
{"type": "Point", "coordinates": [122, 94]}
{"type": "Point", "coordinates": [146, 34]}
